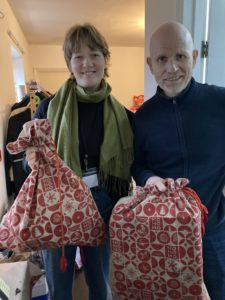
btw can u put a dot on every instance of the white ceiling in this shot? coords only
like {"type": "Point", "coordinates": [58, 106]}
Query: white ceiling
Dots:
{"type": "Point", "coordinates": [46, 21]}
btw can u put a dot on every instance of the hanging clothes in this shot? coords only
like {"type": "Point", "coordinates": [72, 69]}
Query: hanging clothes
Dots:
{"type": "Point", "coordinates": [21, 112]}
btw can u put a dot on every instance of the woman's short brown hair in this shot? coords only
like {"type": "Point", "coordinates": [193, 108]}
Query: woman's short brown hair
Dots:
{"type": "Point", "coordinates": [89, 35]}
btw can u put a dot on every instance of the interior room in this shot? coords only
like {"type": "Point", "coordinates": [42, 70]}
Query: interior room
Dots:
{"type": "Point", "coordinates": [33, 52]}
{"type": "Point", "coordinates": [32, 63]}
{"type": "Point", "coordinates": [32, 35]}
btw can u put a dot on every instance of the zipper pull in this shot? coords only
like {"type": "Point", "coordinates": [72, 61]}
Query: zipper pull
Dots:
{"type": "Point", "coordinates": [174, 101]}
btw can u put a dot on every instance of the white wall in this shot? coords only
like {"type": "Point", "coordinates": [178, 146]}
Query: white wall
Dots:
{"type": "Point", "coordinates": [49, 67]}
{"type": "Point", "coordinates": [9, 24]}
{"type": "Point", "coordinates": [126, 73]}
{"type": "Point", "coordinates": [7, 90]}
{"type": "Point", "coordinates": [126, 70]}
{"type": "Point", "coordinates": [19, 41]}
{"type": "Point", "coordinates": [156, 13]}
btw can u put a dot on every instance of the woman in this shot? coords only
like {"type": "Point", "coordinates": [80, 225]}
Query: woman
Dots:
{"type": "Point", "coordinates": [94, 138]}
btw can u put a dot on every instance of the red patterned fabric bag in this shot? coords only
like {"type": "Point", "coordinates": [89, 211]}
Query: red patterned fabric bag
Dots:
{"type": "Point", "coordinates": [54, 206]}
{"type": "Point", "coordinates": [156, 242]}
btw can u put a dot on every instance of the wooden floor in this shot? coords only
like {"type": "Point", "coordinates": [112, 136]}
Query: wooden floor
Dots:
{"type": "Point", "coordinates": [80, 288]}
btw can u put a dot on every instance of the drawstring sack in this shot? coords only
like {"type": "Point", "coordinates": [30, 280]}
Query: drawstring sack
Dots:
{"type": "Point", "coordinates": [156, 242]}
{"type": "Point", "coordinates": [54, 207]}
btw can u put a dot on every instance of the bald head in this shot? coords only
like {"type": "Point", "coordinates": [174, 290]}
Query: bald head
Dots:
{"type": "Point", "coordinates": [173, 33]}
{"type": "Point", "coordinates": [172, 57]}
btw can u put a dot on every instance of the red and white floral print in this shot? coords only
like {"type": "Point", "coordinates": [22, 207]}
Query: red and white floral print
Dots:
{"type": "Point", "coordinates": [156, 241]}
{"type": "Point", "coordinates": [54, 206]}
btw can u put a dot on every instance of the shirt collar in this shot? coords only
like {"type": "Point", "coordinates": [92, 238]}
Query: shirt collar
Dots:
{"type": "Point", "coordinates": [181, 94]}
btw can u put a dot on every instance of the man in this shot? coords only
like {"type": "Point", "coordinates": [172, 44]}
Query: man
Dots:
{"type": "Point", "coordinates": [180, 132]}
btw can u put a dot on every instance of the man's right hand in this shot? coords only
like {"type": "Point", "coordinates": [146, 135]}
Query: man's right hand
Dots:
{"type": "Point", "coordinates": [156, 181]}
{"type": "Point", "coordinates": [31, 156]}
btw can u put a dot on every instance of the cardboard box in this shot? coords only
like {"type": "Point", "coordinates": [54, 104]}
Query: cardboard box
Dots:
{"type": "Point", "coordinates": [40, 289]}
{"type": "Point", "coordinates": [16, 280]}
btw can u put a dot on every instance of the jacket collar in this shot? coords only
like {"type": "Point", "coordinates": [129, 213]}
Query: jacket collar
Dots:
{"type": "Point", "coordinates": [181, 95]}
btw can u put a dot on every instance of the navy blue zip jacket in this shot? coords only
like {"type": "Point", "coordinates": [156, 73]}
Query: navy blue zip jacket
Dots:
{"type": "Point", "coordinates": [184, 137]}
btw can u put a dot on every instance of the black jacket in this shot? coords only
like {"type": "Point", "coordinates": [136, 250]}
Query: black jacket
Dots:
{"type": "Point", "coordinates": [184, 136]}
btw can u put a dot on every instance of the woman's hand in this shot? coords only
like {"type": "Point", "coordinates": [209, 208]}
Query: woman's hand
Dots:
{"type": "Point", "coordinates": [31, 156]}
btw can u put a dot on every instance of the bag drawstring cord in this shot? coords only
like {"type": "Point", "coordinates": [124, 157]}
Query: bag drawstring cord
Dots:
{"type": "Point", "coordinates": [63, 261]}
{"type": "Point", "coordinates": [203, 209]}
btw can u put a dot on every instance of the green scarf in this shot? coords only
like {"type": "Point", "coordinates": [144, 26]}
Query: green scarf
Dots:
{"type": "Point", "coordinates": [116, 152]}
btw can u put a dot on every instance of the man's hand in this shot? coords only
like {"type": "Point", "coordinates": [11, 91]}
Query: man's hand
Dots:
{"type": "Point", "coordinates": [31, 156]}
{"type": "Point", "coordinates": [156, 181]}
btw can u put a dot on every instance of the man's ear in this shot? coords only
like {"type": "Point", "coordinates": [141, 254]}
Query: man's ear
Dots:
{"type": "Point", "coordinates": [149, 62]}
{"type": "Point", "coordinates": [194, 55]}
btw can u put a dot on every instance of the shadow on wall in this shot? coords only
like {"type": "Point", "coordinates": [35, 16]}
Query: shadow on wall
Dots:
{"type": "Point", "coordinates": [3, 191]}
